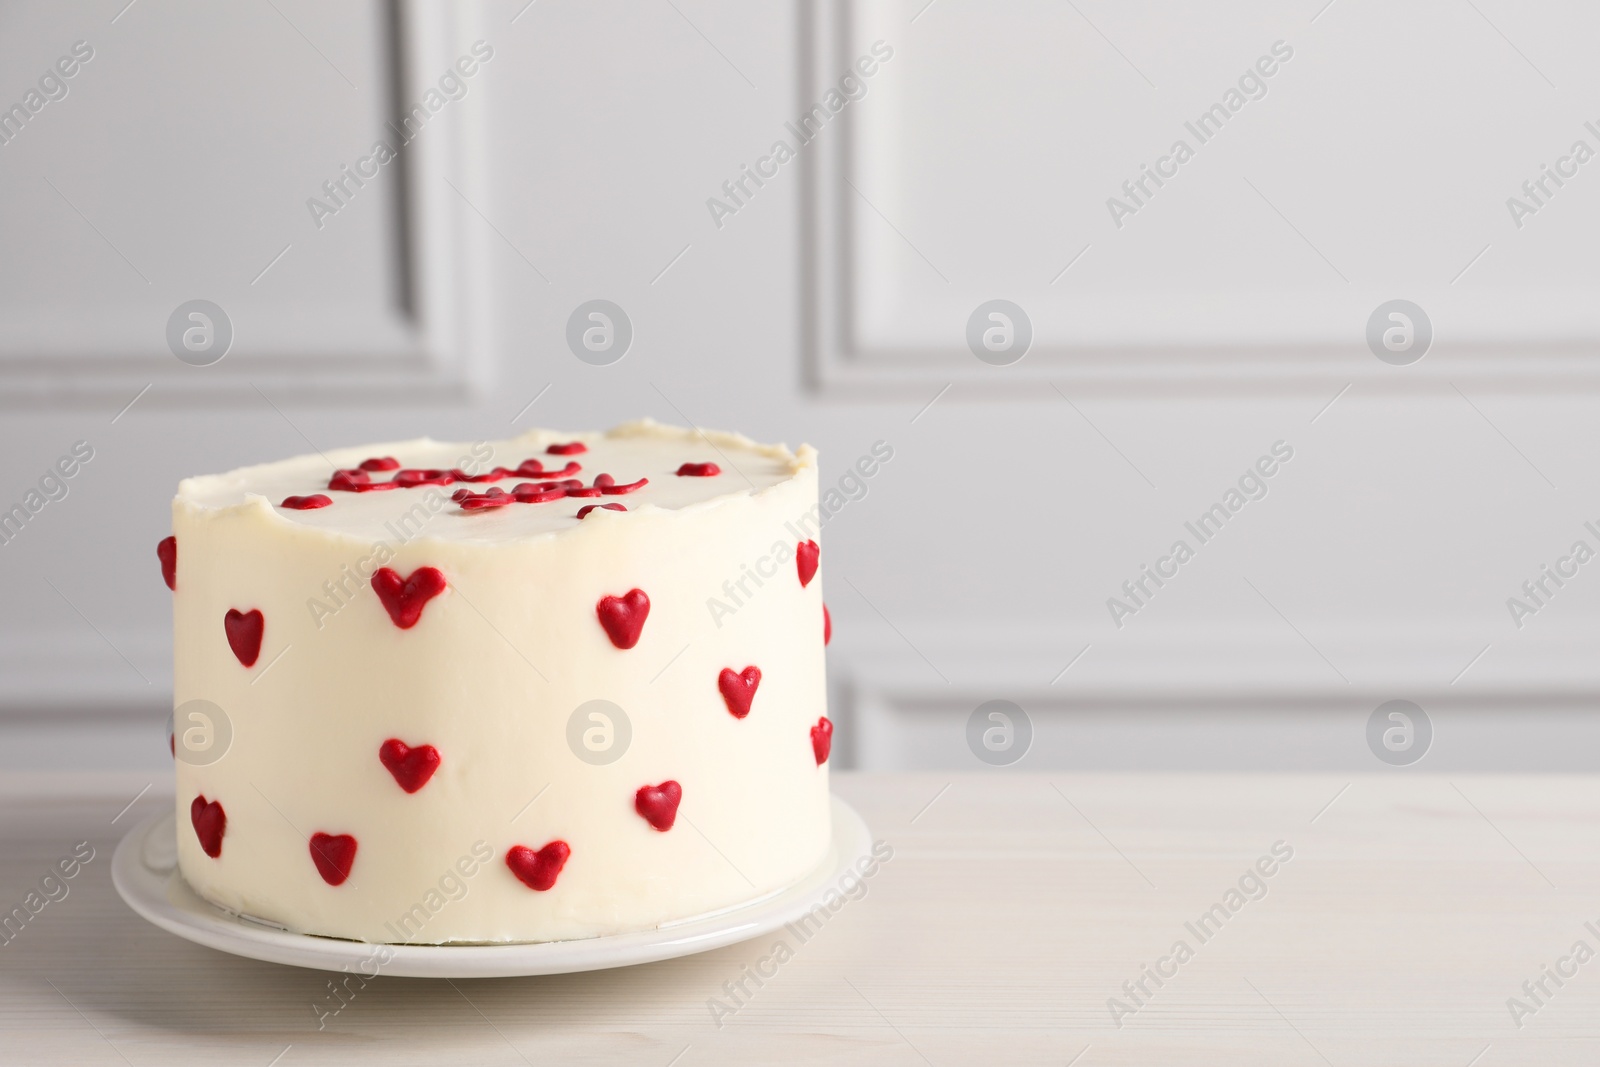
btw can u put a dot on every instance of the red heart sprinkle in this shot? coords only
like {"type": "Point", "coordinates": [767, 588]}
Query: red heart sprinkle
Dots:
{"type": "Point", "coordinates": [659, 804]}
{"type": "Point", "coordinates": [411, 767]}
{"type": "Point", "coordinates": [349, 481]}
{"type": "Point", "coordinates": [380, 463]}
{"type": "Point", "coordinates": [405, 598]}
{"type": "Point", "coordinates": [805, 560]}
{"type": "Point", "coordinates": [410, 479]}
{"type": "Point", "coordinates": [334, 855]}
{"type": "Point", "coordinates": [481, 502]}
{"type": "Point", "coordinates": [167, 553]}
{"type": "Point", "coordinates": [538, 870]}
{"type": "Point", "coordinates": [822, 740]}
{"type": "Point", "coordinates": [827, 626]}
{"type": "Point", "coordinates": [739, 689]}
{"type": "Point", "coordinates": [531, 468]}
{"type": "Point", "coordinates": [605, 507]}
{"type": "Point", "coordinates": [244, 630]}
{"type": "Point", "coordinates": [210, 822]}
{"type": "Point", "coordinates": [571, 448]}
{"type": "Point", "coordinates": [306, 503]}
{"type": "Point", "coordinates": [529, 493]}
{"type": "Point", "coordinates": [616, 490]}
{"type": "Point", "coordinates": [699, 470]}
{"type": "Point", "coordinates": [623, 616]}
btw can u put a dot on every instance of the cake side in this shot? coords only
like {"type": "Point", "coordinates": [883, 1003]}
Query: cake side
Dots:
{"type": "Point", "coordinates": [417, 766]}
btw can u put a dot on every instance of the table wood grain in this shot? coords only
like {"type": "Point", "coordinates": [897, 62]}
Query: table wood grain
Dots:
{"type": "Point", "coordinates": [1015, 907]}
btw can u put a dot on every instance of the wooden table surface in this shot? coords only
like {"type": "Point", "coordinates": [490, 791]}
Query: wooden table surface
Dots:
{"type": "Point", "coordinates": [1014, 909]}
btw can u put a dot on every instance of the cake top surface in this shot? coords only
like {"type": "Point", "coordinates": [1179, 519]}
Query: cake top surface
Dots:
{"type": "Point", "coordinates": [492, 491]}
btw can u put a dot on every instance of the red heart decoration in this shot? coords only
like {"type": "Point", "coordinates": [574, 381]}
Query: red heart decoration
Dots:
{"type": "Point", "coordinates": [306, 503]}
{"type": "Point", "coordinates": [333, 854]}
{"type": "Point", "coordinates": [827, 625]}
{"type": "Point", "coordinates": [538, 870]}
{"type": "Point", "coordinates": [822, 740]}
{"type": "Point", "coordinates": [411, 477]}
{"type": "Point", "coordinates": [210, 821]}
{"type": "Point", "coordinates": [659, 804]}
{"type": "Point", "coordinates": [532, 468]}
{"type": "Point", "coordinates": [244, 630]}
{"type": "Point", "coordinates": [167, 553]}
{"type": "Point", "coordinates": [739, 689]}
{"type": "Point", "coordinates": [350, 481]}
{"type": "Point", "coordinates": [613, 489]}
{"type": "Point", "coordinates": [805, 560]}
{"type": "Point", "coordinates": [404, 598]}
{"type": "Point", "coordinates": [623, 616]}
{"type": "Point", "coordinates": [411, 767]}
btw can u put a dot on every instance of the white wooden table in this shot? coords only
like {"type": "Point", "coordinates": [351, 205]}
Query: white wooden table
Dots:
{"type": "Point", "coordinates": [1015, 906]}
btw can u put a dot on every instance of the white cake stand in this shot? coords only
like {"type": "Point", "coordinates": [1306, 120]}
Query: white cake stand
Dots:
{"type": "Point", "coordinates": [144, 870]}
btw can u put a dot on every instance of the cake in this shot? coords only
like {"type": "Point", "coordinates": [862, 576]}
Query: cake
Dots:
{"type": "Point", "coordinates": [555, 687]}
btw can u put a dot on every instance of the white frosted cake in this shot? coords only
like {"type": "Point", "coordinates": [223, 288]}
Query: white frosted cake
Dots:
{"type": "Point", "coordinates": [555, 687]}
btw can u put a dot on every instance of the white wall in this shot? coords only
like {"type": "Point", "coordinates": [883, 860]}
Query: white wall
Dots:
{"type": "Point", "coordinates": [1181, 347]}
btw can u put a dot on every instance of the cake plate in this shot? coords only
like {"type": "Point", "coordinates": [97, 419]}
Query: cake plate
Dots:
{"type": "Point", "coordinates": [145, 872]}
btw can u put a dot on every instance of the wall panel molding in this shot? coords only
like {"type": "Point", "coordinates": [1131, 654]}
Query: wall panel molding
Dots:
{"type": "Point", "coordinates": [432, 344]}
{"type": "Point", "coordinates": [877, 322]}
{"type": "Point", "coordinates": [1250, 700]}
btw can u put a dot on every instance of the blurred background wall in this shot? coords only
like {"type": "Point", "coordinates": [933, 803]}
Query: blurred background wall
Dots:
{"type": "Point", "coordinates": [1187, 315]}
